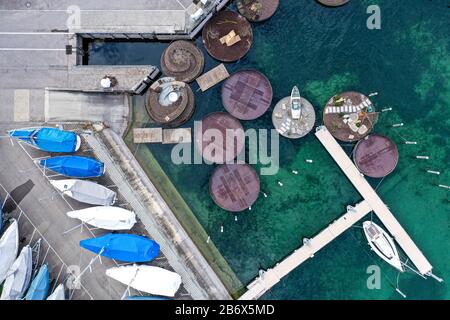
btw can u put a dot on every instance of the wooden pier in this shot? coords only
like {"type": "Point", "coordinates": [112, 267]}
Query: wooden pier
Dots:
{"type": "Point", "coordinates": [212, 77]}
{"type": "Point", "coordinates": [372, 202]}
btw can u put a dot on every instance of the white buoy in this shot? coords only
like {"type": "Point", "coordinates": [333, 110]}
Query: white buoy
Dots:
{"type": "Point", "coordinates": [250, 208]}
{"type": "Point", "coordinates": [400, 293]}
{"type": "Point", "coordinates": [280, 183]}
{"type": "Point", "coordinates": [386, 109]}
{"type": "Point", "coordinates": [265, 195]}
{"type": "Point", "coordinates": [395, 125]}
{"type": "Point", "coordinates": [221, 229]}
{"type": "Point", "coordinates": [373, 94]}
{"type": "Point", "coordinates": [309, 161]}
{"type": "Point", "coordinates": [235, 218]}
{"type": "Point", "coordinates": [207, 240]}
{"type": "Point", "coordinates": [410, 142]}
{"type": "Point", "coordinates": [423, 157]}
{"type": "Point", "coordinates": [444, 186]}
{"type": "Point", "coordinates": [433, 172]}
{"type": "Point", "coordinates": [294, 171]}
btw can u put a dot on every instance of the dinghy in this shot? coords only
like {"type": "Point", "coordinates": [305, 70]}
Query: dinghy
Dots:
{"type": "Point", "coordinates": [86, 191]}
{"type": "Point", "coordinates": [40, 286]}
{"type": "Point", "coordinates": [109, 218]}
{"type": "Point", "coordinates": [296, 103]}
{"type": "Point", "coordinates": [9, 247]}
{"type": "Point", "coordinates": [74, 166]}
{"type": "Point", "coordinates": [123, 247]}
{"type": "Point", "coordinates": [19, 276]}
{"type": "Point", "coordinates": [382, 244]}
{"type": "Point", "coordinates": [147, 279]}
{"type": "Point", "coordinates": [48, 139]}
{"type": "Point", "coordinates": [58, 294]}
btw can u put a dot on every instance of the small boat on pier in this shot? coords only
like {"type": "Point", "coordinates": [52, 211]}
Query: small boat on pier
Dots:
{"type": "Point", "coordinates": [108, 218]}
{"type": "Point", "coordinates": [382, 244]}
{"type": "Point", "coordinates": [74, 166]}
{"type": "Point", "coordinates": [58, 293]}
{"type": "Point", "coordinates": [296, 103]}
{"type": "Point", "coordinates": [86, 191]}
{"type": "Point", "coordinates": [40, 286]}
{"type": "Point", "coordinates": [48, 139]}
{"type": "Point", "coordinates": [9, 247]}
{"type": "Point", "coordinates": [19, 276]}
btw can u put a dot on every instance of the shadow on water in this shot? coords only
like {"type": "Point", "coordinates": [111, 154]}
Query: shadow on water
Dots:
{"type": "Point", "coordinates": [17, 195]}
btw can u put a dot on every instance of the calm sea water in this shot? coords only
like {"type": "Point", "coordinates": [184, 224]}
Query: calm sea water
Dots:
{"type": "Point", "coordinates": [325, 51]}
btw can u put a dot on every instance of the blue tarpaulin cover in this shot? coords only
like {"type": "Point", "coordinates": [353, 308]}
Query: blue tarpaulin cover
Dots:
{"type": "Point", "coordinates": [40, 286]}
{"type": "Point", "coordinates": [48, 139]}
{"type": "Point", "coordinates": [123, 247]}
{"type": "Point", "coordinates": [74, 166]}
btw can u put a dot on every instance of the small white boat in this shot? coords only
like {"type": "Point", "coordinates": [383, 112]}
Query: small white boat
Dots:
{"type": "Point", "coordinates": [58, 294]}
{"type": "Point", "coordinates": [9, 247]}
{"type": "Point", "coordinates": [296, 103]}
{"type": "Point", "coordinates": [382, 244]}
{"type": "Point", "coordinates": [86, 191]}
{"type": "Point", "coordinates": [153, 280]}
{"type": "Point", "coordinates": [19, 276]}
{"type": "Point", "coordinates": [108, 218]}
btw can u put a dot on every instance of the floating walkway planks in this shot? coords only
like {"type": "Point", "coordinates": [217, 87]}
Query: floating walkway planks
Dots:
{"type": "Point", "coordinates": [212, 77]}
{"type": "Point", "coordinates": [160, 135]}
{"type": "Point", "coordinates": [147, 135]}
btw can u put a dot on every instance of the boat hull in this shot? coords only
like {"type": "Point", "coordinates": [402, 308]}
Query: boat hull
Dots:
{"type": "Point", "coordinates": [382, 244]}
{"type": "Point", "coordinates": [58, 294]}
{"type": "Point", "coordinates": [108, 218]}
{"type": "Point", "coordinates": [19, 276]}
{"type": "Point", "coordinates": [9, 247]}
{"type": "Point", "coordinates": [40, 285]}
{"type": "Point", "coordinates": [74, 166]}
{"type": "Point", "coordinates": [86, 191]}
{"type": "Point", "coordinates": [48, 139]}
{"type": "Point", "coordinates": [147, 279]}
{"type": "Point", "coordinates": [123, 247]}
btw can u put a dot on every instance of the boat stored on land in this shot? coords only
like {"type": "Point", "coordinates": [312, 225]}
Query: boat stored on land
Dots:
{"type": "Point", "coordinates": [74, 166]}
{"type": "Point", "coordinates": [147, 279]}
{"type": "Point", "coordinates": [9, 247]}
{"type": "Point", "coordinates": [123, 247]}
{"type": "Point", "coordinates": [19, 276]}
{"type": "Point", "coordinates": [86, 191]}
{"type": "Point", "coordinates": [296, 103]}
{"type": "Point", "coordinates": [109, 218]}
{"type": "Point", "coordinates": [58, 293]}
{"type": "Point", "coordinates": [382, 244]}
{"type": "Point", "coordinates": [48, 139]}
{"type": "Point", "coordinates": [40, 286]}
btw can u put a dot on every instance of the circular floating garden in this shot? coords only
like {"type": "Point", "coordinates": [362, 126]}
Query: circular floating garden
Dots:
{"type": "Point", "coordinates": [291, 125]}
{"type": "Point", "coordinates": [257, 10]}
{"type": "Point", "coordinates": [234, 187]}
{"type": "Point", "coordinates": [349, 116]}
{"type": "Point", "coordinates": [333, 3]}
{"type": "Point", "coordinates": [247, 94]}
{"type": "Point", "coordinates": [221, 138]}
{"type": "Point", "coordinates": [376, 156]}
{"type": "Point", "coordinates": [169, 102]}
{"type": "Point", "coordinates": [182, 60]}
{"type": "Point", "coordinates": [227, 36]}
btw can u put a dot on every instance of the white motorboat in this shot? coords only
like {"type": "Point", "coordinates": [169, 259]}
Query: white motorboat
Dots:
{"type": "Point", "coordinates": [108, 218]}
{"type": "Point", "coordinates": [58, 294]}
{"type": "Point", "coordinates": [382, 244]}
{"type": "Point", "coordinates": [86, 191]}
{"type": "Point", "coordinates": [149, 279]}
{"type": "Point", "coordinates": [19, 276]}
{"type": "Point", "coordinates": [296, 103]}
{"type": "Point", "coordinates": [9, 247]}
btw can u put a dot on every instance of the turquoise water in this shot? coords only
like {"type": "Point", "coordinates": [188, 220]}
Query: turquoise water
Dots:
{"type": "Point", "coordinates": [325, 51]}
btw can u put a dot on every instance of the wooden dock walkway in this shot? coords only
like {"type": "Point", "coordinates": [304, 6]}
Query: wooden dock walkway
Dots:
{"type": "Point", "coordinates": [212, 77]}
{"type": "Point", "coordinates": [372, 202]}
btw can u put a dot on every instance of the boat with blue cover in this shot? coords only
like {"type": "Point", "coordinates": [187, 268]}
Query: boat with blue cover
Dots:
{"type": "Point", "coordinates": [48, 139]}
{"type": "Point", "coordinates": [40, 285]}
{"type": "Point", "coordinates": [123, 247]}
{"type": "Point", "coordinates": [74, 166]}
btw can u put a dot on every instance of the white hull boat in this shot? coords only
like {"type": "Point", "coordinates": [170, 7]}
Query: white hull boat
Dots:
{"type": "Point", "coordinates": [19, 276]}
{"type": "Point", "coordinates": [108, 218]}
{"type": "Point", "coordinates": [85, 191]}
{"type": "Point", "coordinates": [149, 279]}
{"type": "Point", "coordinates": [296, 103]}
{"type": "Point", "coordinates": [9, 247]}
{"type": "Point", "coordinates": [58, 294]}
{"type": "Point", "coordinates": [382, 244]}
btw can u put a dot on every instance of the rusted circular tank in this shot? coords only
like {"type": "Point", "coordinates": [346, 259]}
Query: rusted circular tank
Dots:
{"type": "Point", "coordinates": [234, 187]}
{"type": "Point", "coordinates": [221, 138]}
{"type": "Point", "coordinates": [170, 103]}
{"type": "Point", "coordinates": [182, 60]}
{"type": "Point", "coordinates": [349, 116]}
{"type": "Point", "coordinates": [227, 23]}
{"type": "Point", "coordinates": [247, 94]}
{"type": "Point", "coordinates": [376, 156]}
{"type": "Point", "coordinates": [257, 10]}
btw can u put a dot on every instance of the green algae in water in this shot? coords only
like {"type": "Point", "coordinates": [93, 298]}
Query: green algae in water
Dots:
{"type": "Point", "coordinates": [325, 51]}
